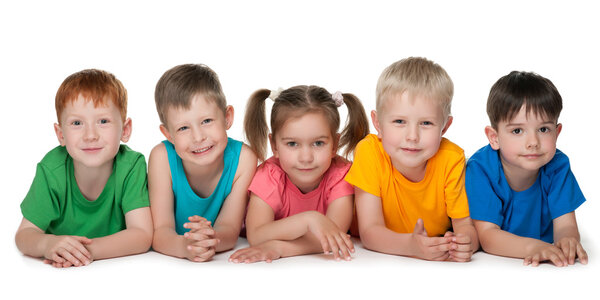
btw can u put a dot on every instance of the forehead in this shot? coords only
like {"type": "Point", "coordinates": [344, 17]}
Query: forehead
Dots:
{"type": "Point", "coordinates": [306, 126]}
{"type": "Point", "coordinates": [407, 103]}
{"type": "Point", "coordinates": [82, 104]}
{"type": "Point", "coordinates": [528, 117]}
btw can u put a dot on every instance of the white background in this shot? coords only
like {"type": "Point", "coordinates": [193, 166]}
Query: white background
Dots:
{"type": "Point", "coordinates": [341, 45]}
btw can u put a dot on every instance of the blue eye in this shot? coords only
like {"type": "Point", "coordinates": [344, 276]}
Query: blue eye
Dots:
{"type": "Point", "coordinates": [319, 143]}
{"type": "Point", "coordinates": [291, 144]}
{"type": "Point", "coordinates": [76, 123]}
{"type": "Point", "coordinates": [399, 121]}
{"type": "Point", "coordinates": [427, 123]}
{"type": "Point", "coordinates": [207, 121]}
{"type": "Point", "coordinates": [182, 128]}
{"type": "Point", "coordinates": [104, 121]}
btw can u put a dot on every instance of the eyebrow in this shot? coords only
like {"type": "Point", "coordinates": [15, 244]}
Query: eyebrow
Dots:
{"type": "Point", "coordinates": [521, 124]}
{"type": "Point", "coordinates": [316, 138]}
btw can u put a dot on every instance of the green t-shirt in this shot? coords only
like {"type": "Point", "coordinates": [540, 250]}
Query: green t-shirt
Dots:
{"type": "Point", "coordinates": [55, 204]}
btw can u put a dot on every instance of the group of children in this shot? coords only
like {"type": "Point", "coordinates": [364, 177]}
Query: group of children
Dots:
{"type": "Point", "coordinates": [407, 190]}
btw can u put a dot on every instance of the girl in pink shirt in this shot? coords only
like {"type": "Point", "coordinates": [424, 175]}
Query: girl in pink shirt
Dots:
{"type": "Point", "coordinates": [299, 201]}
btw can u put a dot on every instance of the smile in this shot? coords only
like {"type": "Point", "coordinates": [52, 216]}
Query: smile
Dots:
{"type": "Point", "coordinates": [202, 150]}
{"type": "Point", "coordinates": [410, 150]}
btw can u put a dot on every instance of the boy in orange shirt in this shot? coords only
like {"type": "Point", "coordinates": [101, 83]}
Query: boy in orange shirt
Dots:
{"type": "Point", "coordinates": [409, 180]}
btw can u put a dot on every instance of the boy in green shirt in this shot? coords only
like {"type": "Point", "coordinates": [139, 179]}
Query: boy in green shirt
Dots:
{"type": "Point", "coordinates": [89, 197]}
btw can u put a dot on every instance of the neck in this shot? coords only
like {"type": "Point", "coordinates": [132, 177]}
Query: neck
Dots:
{"type": "Point", "coordinates": [92, 180]}
{"type": "Point", "coordinates": [519, 179]}
{"type": "Point", "coordinates": [413, 174]}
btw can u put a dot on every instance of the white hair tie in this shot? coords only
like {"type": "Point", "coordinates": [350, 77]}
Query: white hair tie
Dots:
{"type": "Point", "coordinates": [338, 98]}
{"type": "Point", "coordinates": [275, 93]}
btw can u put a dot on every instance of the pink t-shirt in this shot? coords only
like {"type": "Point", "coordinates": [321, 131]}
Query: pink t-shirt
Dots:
{"type": "Point", "coordinates": [271, 184]}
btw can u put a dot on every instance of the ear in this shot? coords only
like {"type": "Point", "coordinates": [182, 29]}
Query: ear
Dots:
{"type": "Point", "coordinates": [448, 123]}
{"type": "Point", "coordinates": [59, 134]}
{"type": "Point", "coordinates": [492, 136]}
{"type": "Point", "coordinates": [166, 133]}
{"type": "Point", "coordinates": [228, 116]}
{"type": "Point", "coordinates": [558, 129]}
{"type": "Point", "coordinates": [126, 131]}
{"type": "Point", "coordinates": [375, 121]}
{"type": "Point", "coordinates": [273, 146]}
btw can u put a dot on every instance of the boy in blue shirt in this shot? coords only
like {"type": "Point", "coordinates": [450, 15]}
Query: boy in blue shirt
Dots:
{"type": "Point", "coordinates": [522, 193]}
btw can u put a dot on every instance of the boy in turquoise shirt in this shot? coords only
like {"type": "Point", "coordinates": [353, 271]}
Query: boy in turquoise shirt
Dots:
{"type": "Point", "coordinates": [89, 197]}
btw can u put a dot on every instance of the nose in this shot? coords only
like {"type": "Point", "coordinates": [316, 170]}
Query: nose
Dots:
{"type": "Point", "coordinates": [199, 135]}
{"type": "Point", "coordinates": [533, 141]}
{"type": "Point", "coordinates": [306, 155]}
{"type": "Point", "coordinates": [91, 133]}
{"type": "Point", "coordinates": [412, 133]}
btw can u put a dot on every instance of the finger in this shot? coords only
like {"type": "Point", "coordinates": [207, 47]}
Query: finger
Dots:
{"type": "Point", "coordinates": [462, 247]}
{"type": "Point", "coordinates": [555, 258]}
{"type": "Point", "coordinates": [196, 218]}
{"type": "Point", "coordinates": [79, 249]}
{"type": "Point", "coordinates": [571, 251]}
{"type": "Point", "coordinates": [535, 260]}
{"type": "Point", "coordinates": [207, 243]}
{"type": "Point", "coordinates": [205, 256]}
{"type": "Point", "coordinates": [583, 257]}
{"type": "Point", "coordinates": [442, 257]}
{"type": "Point", "coordinates": [343, 247]}
{"type": "Point", "coordinates": [192, 226]}
{"type": "Point", "coordinates": [462, 239]}
{"type": "Point", "coordinates": [449, 234]}
{"type": "Point", "coordinates": [463, 256]}
{"type": "Point", "coordinates": [527, 260]}
{"type": "Point", "coordinates": [194, 236]}
{"type": "Point", "coordinates": [435, 241]}
{"type": "Point", "coordinates": [66, 254]}
{"type": "Point", "coordinates": [420, 228]}
{"type": "Point", "coordinates": [334, 247]}
{"type": "Point", "coordinates": [56, 258]}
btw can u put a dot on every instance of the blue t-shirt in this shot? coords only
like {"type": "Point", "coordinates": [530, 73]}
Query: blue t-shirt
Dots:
{"type": "Point", "coordinates": [187, 203]}
{"type": "Point", "coordinates": [528, 213]}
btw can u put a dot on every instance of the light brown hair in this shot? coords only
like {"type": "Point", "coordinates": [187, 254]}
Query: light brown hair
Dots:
{"type": "Point", "coordinates": [297, 101]}
{"type": "Point", "coordinates": [178, 85]}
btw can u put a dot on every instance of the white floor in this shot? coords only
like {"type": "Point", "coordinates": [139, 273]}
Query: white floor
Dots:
{"type": "Point", "coordinates": [368, 275]}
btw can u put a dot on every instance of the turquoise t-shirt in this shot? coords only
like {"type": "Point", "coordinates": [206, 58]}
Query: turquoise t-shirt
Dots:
{"type": "Point", "coordinates": [55, 204]}
{"type": "Point", "coordinates": [187, 203]}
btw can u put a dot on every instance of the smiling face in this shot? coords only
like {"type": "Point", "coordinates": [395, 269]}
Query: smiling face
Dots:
{"type": "Point", "coordinates": [198, 132]}
{"type": "Point", "coordinates": [91, 134]}
{"type": "Point", "coordinates": [526, 143]}
{"type": "Point", "coordinates": [304, 146]}
{"type": "Point", "coordinates": [410, 128]}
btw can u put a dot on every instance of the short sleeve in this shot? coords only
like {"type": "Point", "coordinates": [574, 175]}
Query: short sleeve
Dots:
{"type": "Point", "coordinates": [484, 203]}
{"type": "Point", "coordinates": [564, 194]}
{"type": "Point", "coordinates": [454, 188]}
{"type": "Point", "coordinates": [41, 205]}
{"type": "Point", "coordinates": [266, 182]}
{"type": "Point", "coordinates": [365, 172]}
{"type": "Point", "coordinates": [135, 186]}
{"type": "Point", "coordinates": [339, 187]}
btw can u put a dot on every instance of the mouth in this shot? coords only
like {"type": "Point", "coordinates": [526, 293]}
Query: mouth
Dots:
{"type": "Point", "coordinates": [531, 156]}
{"type": "Point", "coordinates": [411, 150]}
{"type": "Point", "coordinates": [91, 149]}
{"type": "Point", "coordinates": [202, 150]}
{"type": "Point", "coordinates": [306, 169]}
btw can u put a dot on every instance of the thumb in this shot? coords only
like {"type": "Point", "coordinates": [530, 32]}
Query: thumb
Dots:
{"type": "Point", "coordinates": [420, 228]}
{"type": "Point", "coordinates": [84, 240]}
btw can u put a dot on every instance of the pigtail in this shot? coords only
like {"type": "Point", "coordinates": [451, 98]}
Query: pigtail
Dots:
{"type": "Point", "coordinates": [357, 124]}
{"type": "Point", "coordinates": [255, 123]}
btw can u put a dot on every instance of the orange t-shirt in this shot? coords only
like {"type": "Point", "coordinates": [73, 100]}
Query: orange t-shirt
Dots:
{"type": "Point", "coordinates": [438, 197]}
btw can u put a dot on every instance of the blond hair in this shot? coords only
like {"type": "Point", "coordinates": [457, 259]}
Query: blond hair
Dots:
{"type": "Point", "coordinates": [419, 76]}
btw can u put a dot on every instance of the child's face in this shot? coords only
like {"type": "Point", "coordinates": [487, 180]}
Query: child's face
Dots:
{"type": "Point", "coordinates": [526, 143]}
{"type": "Point", "coordinates": [91, 134]}
{"type": "Point", "coordinates": [305, 147]}
{"type": "Point", "coordinates": [199, 133]}
{"type": "Point", "coordinates": [410, 128]}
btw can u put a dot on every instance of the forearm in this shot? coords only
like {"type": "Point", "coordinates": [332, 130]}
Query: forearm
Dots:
{"type": "Point", "coordinates": [307, 244]}
{"type": "Point", "coordinates": [384, 240]}
{"type": "Point", "coordinates": [500, 242]}
{"type": "Point", "coordinates": [566, 232]}
{"type": "Point", "coordinates": [31, 242]}
{"type": "Point", "coordinates": [125, 242]}
{"type": "Point", "coordinates": [469, 230]}
{"type": "Point", "coordinates": [286, 229]}
{"type": "Point", "coordinates": [167, 241]}
{"type": "Point", "coordinates": [227, 236]}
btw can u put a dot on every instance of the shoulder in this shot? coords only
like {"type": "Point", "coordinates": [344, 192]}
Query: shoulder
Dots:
{"type": "Point", "coordinates": [449, 148]}
{"type": "Point", "coordinates": [558, 163]}
{"type": "Point", "coordinates": [270, 168]}
{"type": "Point", "coordinates": [338, 169]}
{"type": "Point", "coordinates": [369, 146]}
{"type": "Point", "coordinates": [485, 156]}
{"type": "Point", "coordinates": [55, 158]}
{"type": "Point", "coordinates": [126, 155]}
{"type": "Point", "coordinates": [247, 161]}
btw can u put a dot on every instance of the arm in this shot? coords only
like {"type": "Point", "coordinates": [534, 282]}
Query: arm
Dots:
{"type": "Point", "coordinates": [63, 250]}
{"type": "Point", "coordinates": [566, 237]}
{"type": "Point", "coordinates": [229, 222]}
{"type": "Point", "coordinates": [136, 238]}
{"type": "Point", "coordinates": [165, 239]}
{"type": "Point", "coordinates": [339, 211]}
{"type": "Point", "coordinates": [377, 237]}
{"type": "Point", "coordinates": [499, 242]}
{"type": "Point", "coordinates": [465, 239]}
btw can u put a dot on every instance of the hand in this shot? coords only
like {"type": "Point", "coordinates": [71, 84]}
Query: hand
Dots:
{"type": "Point", "coordinates": [544, 252]}
{"type": "Point", "coordinates": [572, 248]}
{"type": "Point", "coordinates": [430, 248]}
{"type": "Point", "coordinates": [460, 247]}
{"type": "Point", "coordinates": [200, 240]}
{"type": "Point", "coordinates": [65, 251]}
{"type": "Point", "coordinates": [266, 251]}
{"type": "Point", "coordinates": [332, 239]}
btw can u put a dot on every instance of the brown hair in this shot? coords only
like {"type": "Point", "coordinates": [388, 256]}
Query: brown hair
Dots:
{"type": "Point", "coordinates": [95, 85]}
{"type": "Point", "coordinates": [297, 101]}
{"type": "Point", "coordinates": [516, 89]}
{"type": "Point", "coordinates": [180, 84]}
{"type": "Point", "coordinates": [416, 75]}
